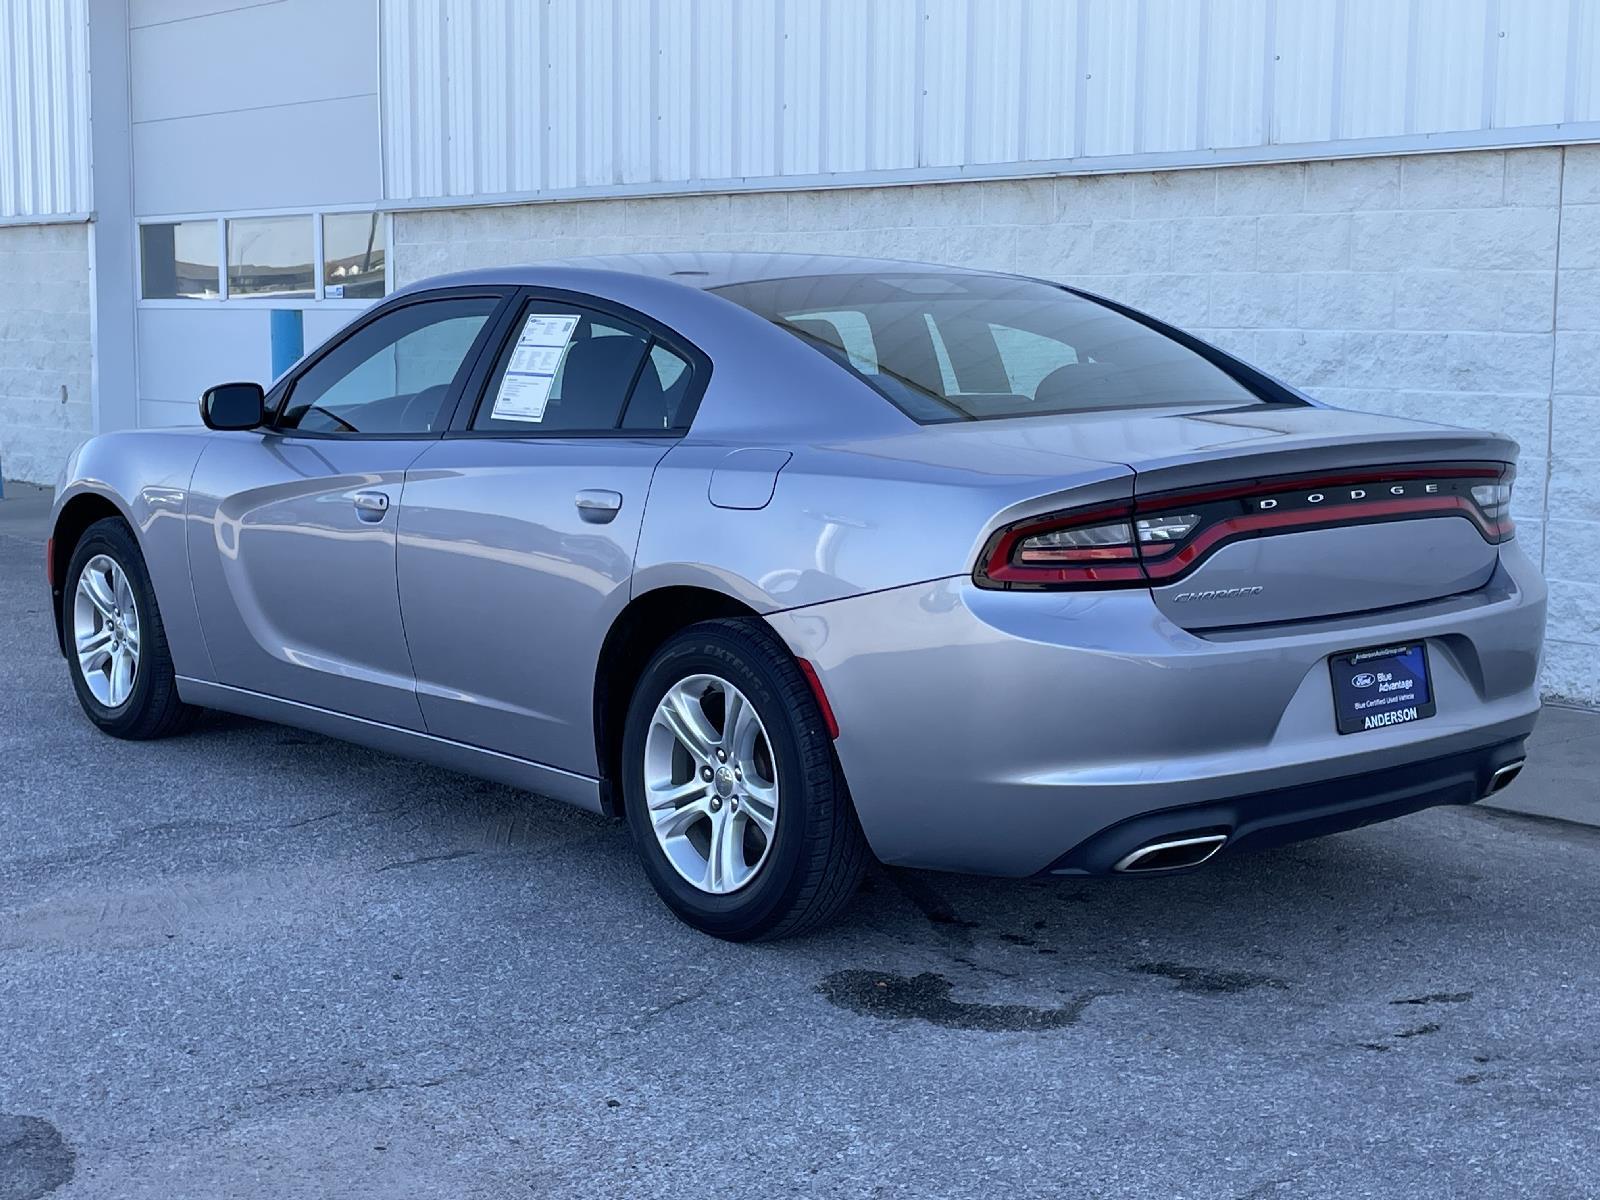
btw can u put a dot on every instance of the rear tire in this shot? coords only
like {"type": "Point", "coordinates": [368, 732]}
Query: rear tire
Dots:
{"type": "Point", "coordinates": [787, 781]}
{"type": "Point", "coordinates": [111, 620]}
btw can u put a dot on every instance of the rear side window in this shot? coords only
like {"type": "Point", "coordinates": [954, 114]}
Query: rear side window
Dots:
{"type": "Point", "coordinates": [962, 347]}
{"type": "Point", "coordinates": [660, 395]}
{"type": "Point", "coordinates": [571, 370]}
{"type": "Point", "coordinates": [564, 370]}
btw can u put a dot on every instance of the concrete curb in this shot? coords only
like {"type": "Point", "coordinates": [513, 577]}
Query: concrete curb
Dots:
{"type": "Point", "coordinates": [1562, 779]}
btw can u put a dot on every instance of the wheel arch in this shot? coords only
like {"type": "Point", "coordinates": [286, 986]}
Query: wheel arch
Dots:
{"type": "Point", "coordinates": [647, 621]}
{"type": "Point", "coordinates": [76, 514]}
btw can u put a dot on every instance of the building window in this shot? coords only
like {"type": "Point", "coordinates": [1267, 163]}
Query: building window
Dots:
{"type": "Point", "coordinates": [179, 261]}
{"type": "Point", "coordinates": [271, 256]}
{"type": "Point", "coordinates": [352, 256]}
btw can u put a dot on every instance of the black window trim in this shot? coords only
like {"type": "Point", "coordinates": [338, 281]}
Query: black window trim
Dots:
{"type": "Point", "coordinates": [477, 384]}
{"type": "Point", "coordinates": [277, 401]}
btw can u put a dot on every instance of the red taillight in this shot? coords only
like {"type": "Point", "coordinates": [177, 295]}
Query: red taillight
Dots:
{"type": "Point", "coordinates": [50, 561]}
{"type": "Point", "coordinates": [1160, 538]}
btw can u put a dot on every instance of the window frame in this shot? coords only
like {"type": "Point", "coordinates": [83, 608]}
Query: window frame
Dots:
{"type": "Point", "coordinates": [304, 303]}
{"type": "Point", "coordinates": [491, 334]}
{"type": "Point", "coordinates": [476, 391]}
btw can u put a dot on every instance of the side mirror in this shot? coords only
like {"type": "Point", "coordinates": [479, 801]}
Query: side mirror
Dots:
{"type": "Point", "coordinates": [233, 406]}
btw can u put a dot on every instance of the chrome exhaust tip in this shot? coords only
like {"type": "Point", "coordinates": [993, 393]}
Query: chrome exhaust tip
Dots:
{"type": "Point", "coordinates": [1171, 854]}
{"type": "Point", "coordinates": [1503, 776]}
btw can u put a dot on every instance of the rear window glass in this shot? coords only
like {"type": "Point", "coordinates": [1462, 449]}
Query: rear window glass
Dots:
{"type": "Point", "coordinates": [970, 347]}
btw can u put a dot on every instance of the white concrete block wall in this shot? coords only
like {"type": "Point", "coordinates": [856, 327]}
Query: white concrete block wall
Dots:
{"type": "Point", "coordinates": [45, 407]}
{"type": "Point", "coordinates": [1460, 287]}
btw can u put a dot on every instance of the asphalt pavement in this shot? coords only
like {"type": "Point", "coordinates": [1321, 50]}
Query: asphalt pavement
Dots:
{"type": "Point", "coordinates": [253, 962]}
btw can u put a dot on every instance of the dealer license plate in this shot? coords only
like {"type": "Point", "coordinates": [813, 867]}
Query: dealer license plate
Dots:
{"type": "Point", "coordinates": [1381, 686]}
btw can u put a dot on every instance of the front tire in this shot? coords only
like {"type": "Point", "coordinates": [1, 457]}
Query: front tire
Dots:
{"type": "Point", "coordinates": [115, 642]}
{"type": "Point", "coordinates": [733, 796]}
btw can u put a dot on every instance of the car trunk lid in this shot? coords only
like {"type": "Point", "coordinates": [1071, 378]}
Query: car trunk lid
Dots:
{"type": "Point", "coordinates": [1298, 512]}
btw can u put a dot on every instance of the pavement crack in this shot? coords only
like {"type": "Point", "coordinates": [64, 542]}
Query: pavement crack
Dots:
{"type": "Point", "coordinates": [1436, 998]}
{"type": "Point", "coordinates": [427, 858]}
{"type": "Point", "coordinates": [1420, 1030]}
{"type": "Point", "coordinates": [311, 820]}
{"type": "Point", "coordinates": [1206, 981]}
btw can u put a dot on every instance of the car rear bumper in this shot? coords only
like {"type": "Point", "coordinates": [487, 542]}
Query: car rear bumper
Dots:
{"type": "Point", "coordinates": [1006, 732]}
{"type": "Point", "coordinates": [1275, 818]}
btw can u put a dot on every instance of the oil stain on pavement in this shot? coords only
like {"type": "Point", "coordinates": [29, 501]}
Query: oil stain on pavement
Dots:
{"type": "Point", "coordinates": [926, 997]}
{"type": "Point", "coordinates": [34, 1158]}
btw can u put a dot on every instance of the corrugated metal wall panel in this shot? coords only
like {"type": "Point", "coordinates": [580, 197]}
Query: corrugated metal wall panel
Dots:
{"type": "Point", "coordinates": [1108, 60]}
{"type": "Point", "coordinates": [566, 93]}
{"type": "Point", "coordinates": [757, 62]}
{"type": "Point", "coordinates": [1448, 84]}
{"type": "Point", "coordinates": [1234, 97]}
{"type": "Point", "coordinates": [1375, 37]}
{"type": "Point", "coordinates": [805, 98]}
{"type": "Point", "coordinates": [993, 116]}
{"type": "Point", "coordinates": [633, 117]}
{"type": "Point", "coordinates": [1049, 85]}
{"type": "Point", "coordinates": [1303, 71]}
{"type": "Point", "coordinates": [713, 86]}
{"type": "Point", "coordinates": [519, 97]}
{"type": "Point", "coordinates": [1531, 80]}
{"type": "Point", "coordinates": [525, 76]}
{"type": "Point", "coordinates": [946, 61]}
{"type": "Point", "coordinates": [890, 62]}
{"type": "Point", "coordinates": [1583, 47]}
{"type": "Point", "coordinates": [1171, 43]}
{"type": "Point", "coordinates": [674, 54]}
{"type": "Point", "coordinates": [44, 108]}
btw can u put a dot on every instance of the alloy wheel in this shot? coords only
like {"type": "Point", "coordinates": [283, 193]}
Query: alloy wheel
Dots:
{"type": "Point", "coordinates": [105, 631]}
{"type": "Point", "coordinates": [710, 784]}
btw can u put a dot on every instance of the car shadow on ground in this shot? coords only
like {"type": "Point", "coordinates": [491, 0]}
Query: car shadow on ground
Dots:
{"type": "Point", "coordinates": [1240, 924]}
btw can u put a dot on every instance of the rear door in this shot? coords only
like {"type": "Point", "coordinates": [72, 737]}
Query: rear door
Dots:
{"type": "Point", "coordinates": [518, 530]}
{"type": "Point", "coordinates": [293, 554]}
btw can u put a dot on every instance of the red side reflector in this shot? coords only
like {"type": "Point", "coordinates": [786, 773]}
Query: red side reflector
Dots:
{"type": "Point", "coordinates": [828, 718]}
{"type": "Point", "coordinates": [50, 561]}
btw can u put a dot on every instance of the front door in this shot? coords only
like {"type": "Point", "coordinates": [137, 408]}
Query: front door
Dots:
{"type": "Point", "coordinates": [292, 530]}
{"type": "Point", "coordinates": [518, 530]}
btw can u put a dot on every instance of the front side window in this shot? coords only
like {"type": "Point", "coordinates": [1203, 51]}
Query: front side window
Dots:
{"type": "Point", "coordinates": [962, 347]}
{"type": "Point", "coordinates": [393, 375]}
{"type": "Point", "coordinates": [566, 370]}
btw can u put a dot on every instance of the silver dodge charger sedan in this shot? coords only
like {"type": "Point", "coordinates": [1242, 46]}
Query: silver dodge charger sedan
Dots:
{"type": "Point", "coordinates": [792, 560]}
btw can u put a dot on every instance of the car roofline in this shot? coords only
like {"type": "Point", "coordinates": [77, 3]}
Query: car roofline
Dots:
{"type": "Point", "coordinates": [699, 271]}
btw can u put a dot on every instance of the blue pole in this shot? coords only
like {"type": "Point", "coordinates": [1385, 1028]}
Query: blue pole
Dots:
{"type": "Point", "coordinates": [288, 339]}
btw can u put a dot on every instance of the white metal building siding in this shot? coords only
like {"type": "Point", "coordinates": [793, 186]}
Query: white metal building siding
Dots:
{"type": "Point", "coordinates": [489, 98]}
{"type": "Point", "coordinates": [44, 109]}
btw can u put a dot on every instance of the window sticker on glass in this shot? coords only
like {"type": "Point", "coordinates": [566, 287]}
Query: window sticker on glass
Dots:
{"type": "Point", "coordinates": [531, 373]}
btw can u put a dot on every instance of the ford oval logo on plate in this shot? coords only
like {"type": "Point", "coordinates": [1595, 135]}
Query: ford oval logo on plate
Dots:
{"type": "Point", "coordinates": [1363, 680]}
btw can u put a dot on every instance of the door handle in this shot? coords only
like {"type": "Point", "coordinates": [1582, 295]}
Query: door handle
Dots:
{"type": "Point", "coordinates": [370, 506]}
{"type": "Point", "coordinates": [597, 506]}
